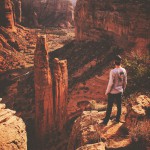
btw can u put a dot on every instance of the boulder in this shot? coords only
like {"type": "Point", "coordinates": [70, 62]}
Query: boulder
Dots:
{"type": "Point", "coordinates": [97, 146]}
{"type": "Point", "coordinates": [138, 110]}
{"type": "Point", "coordinates": [88, 129]}
{"type": "Point", "coordinates": [12, 130]}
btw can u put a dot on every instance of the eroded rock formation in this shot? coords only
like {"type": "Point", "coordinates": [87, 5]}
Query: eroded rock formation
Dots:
{"type": "Point", "coordinates": [43, 90]}
{"type": "Point", "coordinates": [139, 109]}
{"type": "Point", "coordinates": [129, 20]}
{"type": "Point", "coordinates": [7, 15]}
{"type": "Point", "coordinates": [18, 10]}
{"type": "Point", "coordinates": [60, 89]}
{"type": "Point", "coordinates": [51, 87]}
{"type": "Point", "coordinates": [88, 131]}
{"type": "Point", "coordinates": [12, 130]}
{"type": "Point", "coordinates": [49, 13]}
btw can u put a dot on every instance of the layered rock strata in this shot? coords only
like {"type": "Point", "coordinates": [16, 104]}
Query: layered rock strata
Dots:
{"type": "Point", "coordinates": [12, 130]}
{"type": "Point", "coordinates": [7, 15]}
{"type": "Point", "coordinates": [43, 90]}
{"type": "Point", "coordinates": [51, 86]}
{"type": "Point", "coordinates": [60, 89]}
{"type": "Point", "coordinates": [128, 20]}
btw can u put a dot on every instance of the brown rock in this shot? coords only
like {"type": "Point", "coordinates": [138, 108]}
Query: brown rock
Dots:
{"type": "Point", "coordinates": [97, 146]}
{"type": "Point", "coordinates": [18, 10]}
{"type": "Point", "coordinates": [7, 16]}
{"type": "Point", "coordinates": [144, 101]}
{"type": "Point", "coordinates": [138, 110]}
{"type": "Point", "coordinates": [50, 93]}
{"type": "Point", "coordinates": [43, 90]}
{"type": "Point", "coordinates": [12, 131]}
{"type": "Point", "coordinates": [119, 144]}
{"type": "Point", "coordinates": [60, 90]}
{"type": "Point", "coordinates": [98, 18]}
{"type": "Point", "coordinates": [88, 129]}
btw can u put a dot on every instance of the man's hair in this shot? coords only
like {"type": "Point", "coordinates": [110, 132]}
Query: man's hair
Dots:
{"type": "Point", "coordinates": [118, 60]}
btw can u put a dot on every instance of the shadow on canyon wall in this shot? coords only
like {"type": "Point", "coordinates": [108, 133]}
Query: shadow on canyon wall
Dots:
{"type": "Point", "coordinates": [78, 54]}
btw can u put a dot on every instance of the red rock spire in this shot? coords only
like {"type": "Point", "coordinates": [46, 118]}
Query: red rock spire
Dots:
{"type": "Point", "coordinates": [43, 90]}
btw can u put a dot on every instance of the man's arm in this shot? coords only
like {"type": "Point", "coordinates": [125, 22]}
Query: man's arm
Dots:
{"type": "Point", "coordinates": [110, 83]}
{"type": "Point", "coordinates": [125, 81]}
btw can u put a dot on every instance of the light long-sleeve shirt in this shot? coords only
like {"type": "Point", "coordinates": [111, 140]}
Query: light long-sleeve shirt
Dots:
{"type": "Point", "coordinates": [117, 81]}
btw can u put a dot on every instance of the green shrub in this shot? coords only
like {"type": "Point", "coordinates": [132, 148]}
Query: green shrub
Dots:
{"type": "Point", "coordinates": [138, 74]}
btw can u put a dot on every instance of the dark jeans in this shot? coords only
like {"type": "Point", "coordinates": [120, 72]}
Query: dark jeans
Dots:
{"type": "Point", "coordinates": [111, 99]}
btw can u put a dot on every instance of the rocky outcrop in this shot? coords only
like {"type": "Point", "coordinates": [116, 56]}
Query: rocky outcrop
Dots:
{"type": "Point", "coordinates": [88, 129]}
{"type": "Point", "coordinates": [128, 20]}
{"type": "Point", "coordinates": [60, 89]}
{"type": "Point", "coordinates": [18, 10]}
{"type": "Point", "coordinates": [49, 13]}
{"type": "Point", "coordinates": [12, 130]}
{"type": "Point", "coordinates": [43, 90]}
{"type": "Point", "coordinates": [139, 110]}
{"type": "Point", "coordinates": [88, 132]}
{"type": "Point", "coordinates": [7, 16]}
{"type": "Point", "coordinates": [51, 87]}
{"type": "Point", "coordinates": [98, 146]}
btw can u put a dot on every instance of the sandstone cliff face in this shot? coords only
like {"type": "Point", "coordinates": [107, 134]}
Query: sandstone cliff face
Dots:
{"type": "Point", "coordinates": [43, 90]}
{"type": "Point", "coordinates": [7, 16]}
{"type": "Point", "coordinates": [129, 20]}
{"type": "Point", "coordinates": [49, 13]}
{"type": "Point", "coordinates": [12, 130]}
{"type": "Point", "coordinates": [88, 132]}
{"type": "Point", "coordinates": [51, 87]}
{"type": "Point", "coordinates": [60, 92]}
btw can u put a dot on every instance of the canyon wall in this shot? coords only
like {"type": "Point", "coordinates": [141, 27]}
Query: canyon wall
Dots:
{"type": "Point", "coordinates": [12, 130]}
{"type": "Point", "coordinates": [48, 13]}
{"type": "Point", "coordinates": [7, 19]}
{"type": "Point", "coordinates": [129, 20]}
{"type": "Point", "coordinates": [51, 86]}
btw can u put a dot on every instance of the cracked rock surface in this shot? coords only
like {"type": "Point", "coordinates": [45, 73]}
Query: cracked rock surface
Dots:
{"type": "Point", "coordinates": [12, 130]}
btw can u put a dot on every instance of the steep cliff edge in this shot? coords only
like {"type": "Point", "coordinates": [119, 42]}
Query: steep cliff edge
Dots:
{"type": "Point", "coordinates": [128, 20]}
{"type": "Point", "coordinates": [12, 130]}
{"type": "Point", "coordinates": [89, 133]}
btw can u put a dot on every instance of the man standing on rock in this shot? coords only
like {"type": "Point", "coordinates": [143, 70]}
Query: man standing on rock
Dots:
{"type": "Point", "coordinates": [116, 86]}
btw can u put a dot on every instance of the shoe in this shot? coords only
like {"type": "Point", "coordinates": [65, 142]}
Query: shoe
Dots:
{"type": "Point", "coordinates": [104, 122]}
